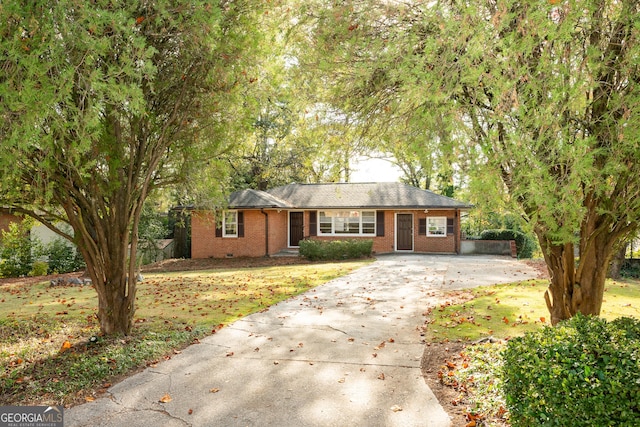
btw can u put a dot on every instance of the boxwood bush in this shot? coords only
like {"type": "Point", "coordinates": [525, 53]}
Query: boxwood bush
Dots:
{"type": "Point", "coordinates": [335, 249]}
{"type": "Point", "coordinates": [583, 372]}
{"type": "Point", "coordinates": [525, 244]}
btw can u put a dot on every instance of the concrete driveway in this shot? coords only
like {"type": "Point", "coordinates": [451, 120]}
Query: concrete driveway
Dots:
{"type": "Point", "coordinates": [344, 354]}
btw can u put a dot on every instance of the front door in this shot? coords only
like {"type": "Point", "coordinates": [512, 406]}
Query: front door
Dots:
{"type": "Point", "coordinates": [404, 232]}
{"type": "Point", "coordinates": [296, 228]}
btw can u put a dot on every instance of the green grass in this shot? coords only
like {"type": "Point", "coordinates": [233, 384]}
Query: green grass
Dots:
{"type": "Point", "coordinates": [51, 351]}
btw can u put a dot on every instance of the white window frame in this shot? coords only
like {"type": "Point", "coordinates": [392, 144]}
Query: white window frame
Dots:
{"type": "Point", "coordinates": [234, 214]}
{"type": "Point", "coordinates": [340, 217]}
{"type": "Point", "coordinates": [432, 223]}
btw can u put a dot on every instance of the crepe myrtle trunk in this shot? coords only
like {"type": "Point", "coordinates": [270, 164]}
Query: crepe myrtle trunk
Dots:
{"type": "Point", "coordinates": [104, 245]}
{"type": "Point", "coordinates": [576, 287]}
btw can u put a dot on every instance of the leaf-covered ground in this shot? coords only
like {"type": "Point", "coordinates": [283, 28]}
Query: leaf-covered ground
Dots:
{"type": "Point", "coordinates": [51, 351]}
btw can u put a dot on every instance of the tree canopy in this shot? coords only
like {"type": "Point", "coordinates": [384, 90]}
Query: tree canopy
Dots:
{"type": "Point", "coordinates": [103, 102]}
{"type": "Point", "coordinates": [542, 99]}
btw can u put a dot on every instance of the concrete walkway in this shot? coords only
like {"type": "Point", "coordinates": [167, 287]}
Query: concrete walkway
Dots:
{"type": "Point", "coordinates": [344, 354]}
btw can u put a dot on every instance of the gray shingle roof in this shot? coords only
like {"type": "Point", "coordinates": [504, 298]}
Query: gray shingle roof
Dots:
{"type": "Point", "coordinates": [255, 199]}
{"type": "Point", "coordinates": [381, 195]}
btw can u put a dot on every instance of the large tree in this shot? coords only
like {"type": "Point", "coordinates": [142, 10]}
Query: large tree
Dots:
{"type": "Point", "coordinates": [101, 102]}
{"type": "Point", "coordinates": [547, 93]}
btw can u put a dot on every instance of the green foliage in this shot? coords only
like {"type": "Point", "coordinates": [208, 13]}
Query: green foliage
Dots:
{"type": "Point", "coordinates": [536, 99]}
{"type": "Point", "coordinates": [153, 226]}
{"type": "Point", "coordinates": [525, 244]}
{"type": "Point", "coordinates": [62, 256]}
{"type": "Point", "coordinates": [39, 268]}
{"type": "Point", "coordinates": [585, 371]}
{"type": "Point", "coordinates": [630, 268]}
{"type": "Point", "coordinates": [335, 249]}
{"type": "Point", "coordinates": [103, 103]}
{"type": "Point", "coordinates": [16, 250]}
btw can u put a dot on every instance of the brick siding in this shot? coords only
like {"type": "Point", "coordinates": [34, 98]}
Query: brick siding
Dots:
{"type": "Point", "coordinates": [205, 244]}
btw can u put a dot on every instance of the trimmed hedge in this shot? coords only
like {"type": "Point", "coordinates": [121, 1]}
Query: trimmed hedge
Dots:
{"type": "Point", "coordinates": [525, 244]}
{"type": "Point", "coordinates": [335, 249]}
{"type": "Point", "coordinates": [583, 372]}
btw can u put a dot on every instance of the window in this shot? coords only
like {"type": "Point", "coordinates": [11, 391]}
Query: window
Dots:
{"type": "Point", "coordinates": [230, 224]}
{"type": "Point", "coordinates": [347, 222]}
{"type": "Point", "coordinates": [437, 226]}
{"type": "Point", "coordinates": [368, 222]}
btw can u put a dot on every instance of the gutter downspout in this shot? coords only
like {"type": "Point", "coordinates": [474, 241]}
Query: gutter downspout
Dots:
{"type": "Point", "coordinates": [266, 232]}
{"type": "Point", "coordinates": [456, 232]}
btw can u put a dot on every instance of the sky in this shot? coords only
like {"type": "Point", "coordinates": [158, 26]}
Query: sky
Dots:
{"type": "Point", "coordinates": [374, 170]}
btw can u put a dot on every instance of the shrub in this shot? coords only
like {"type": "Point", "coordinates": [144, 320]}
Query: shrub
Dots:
{"type": "Point", "coordinates": [525, 244]}
{"type": "Point", "coordinates": [63, 258]}
{"type": "Point", "coordinates": [585, 371]}
{"type": "Point", "coordinates": [15, 250]}
{"type": "Point", "coordinates": [335, 249]}
{"type": "Point", "coordinates": [39, 268]}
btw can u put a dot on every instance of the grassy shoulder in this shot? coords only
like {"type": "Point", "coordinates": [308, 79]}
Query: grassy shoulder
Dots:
{"type": "Point", "coordinates": [501, 312]}
{"type": "Point", "coordinates": [51, 351]}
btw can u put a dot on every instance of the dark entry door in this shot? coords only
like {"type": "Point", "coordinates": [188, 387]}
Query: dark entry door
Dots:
{"type": "Point", "coordinates": [404, 230]}
{"type": "Point", "coordinates": [296, 228]}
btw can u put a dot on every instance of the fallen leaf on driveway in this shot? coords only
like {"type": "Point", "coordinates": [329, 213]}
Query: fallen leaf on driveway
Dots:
{"type": "Point", "coordinates": [396, 408]}
{"type": "Point", "coordinates": [214, 390]}
{"type": "Point", "coordinates": [166, 398]}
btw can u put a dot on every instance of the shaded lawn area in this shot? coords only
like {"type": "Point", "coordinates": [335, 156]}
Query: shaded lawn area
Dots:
{"type": "Point", "coordinates": [51, 351]}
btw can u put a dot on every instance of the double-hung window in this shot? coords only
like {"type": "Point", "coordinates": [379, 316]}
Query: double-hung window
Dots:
{"type": "Point", "coordinates": [343, 222]}
{"type": "Point", "coordinates": [437, 226]}
{"type": "Point", "coordinates": [230, 224]}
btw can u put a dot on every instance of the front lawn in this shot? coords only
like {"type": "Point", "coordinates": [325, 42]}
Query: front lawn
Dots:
{"type": "Point", "coordinates": [51, 351]}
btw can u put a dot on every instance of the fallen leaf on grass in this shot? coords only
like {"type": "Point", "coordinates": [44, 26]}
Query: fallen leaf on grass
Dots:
{"type": "Point", "coordinates": [165, 399]}
{"type": "Point", "coordinates": [65, 346]}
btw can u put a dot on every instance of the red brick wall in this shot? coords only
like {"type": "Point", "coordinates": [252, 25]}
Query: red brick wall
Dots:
{"type": "Point", "coordinates": [435, 244]}
{"type": "Point", "coordinates": [204, 244]}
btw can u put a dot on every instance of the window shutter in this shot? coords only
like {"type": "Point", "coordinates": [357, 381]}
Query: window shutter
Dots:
{"type": "Point", "coordinates": [218, 229]}
{"type": "Point", "coordinates": [240, 224]}
{"type": "Point", "coordinates": [450, 225]}
{"type": "Point", "coordinates": [422, 227]}
{"type": "Point", "coordinates": [379, 223]}
{"type": "Point", "coordinates": [313, 223]}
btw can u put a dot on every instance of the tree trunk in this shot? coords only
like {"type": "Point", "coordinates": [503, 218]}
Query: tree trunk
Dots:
{"type": "Point", "coordinates": [579, 288]}
{"type": "Point", "coordinates": [116, 292]}
{"type": "Point", "coordinates": [617, 262]}
{"type": "Point", "coordinates": [103, 237]}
